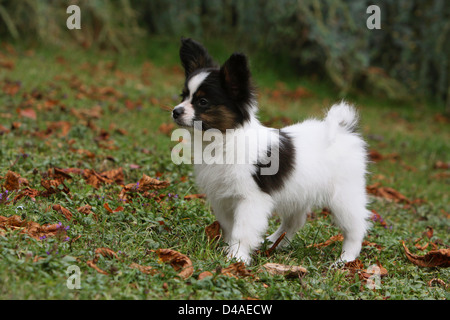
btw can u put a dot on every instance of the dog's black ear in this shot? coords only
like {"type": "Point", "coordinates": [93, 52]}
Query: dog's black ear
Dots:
{"type": "Point", "coordinates": [194, 56]}
{"type": "Point", "coordinates": [235, 76]}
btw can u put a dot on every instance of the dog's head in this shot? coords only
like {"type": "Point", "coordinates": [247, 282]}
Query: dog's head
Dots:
{"type": "Point", "coordinates": [213, 97]}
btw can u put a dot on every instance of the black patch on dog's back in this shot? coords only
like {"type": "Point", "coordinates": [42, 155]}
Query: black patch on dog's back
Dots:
{"type": "Point", "coordinates": [286, 163]}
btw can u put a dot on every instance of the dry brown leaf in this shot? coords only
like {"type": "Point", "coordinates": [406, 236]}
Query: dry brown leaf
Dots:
{"type": "Point", "coordinates": [236, 270]}
{"type": "Point", "coordinates": [442, 165]}
{"type": "Point", "coordinates": [143, 269]}
{"type": "Point", "coordinates": [86, 209]}
{"type": "Point", "coordinates": [284, 270]}
{"type": "Point", "coordinates": [166, 128]}
{"type": "Point", "coordinates": [338, 237]}
{"type": "Point", "coordinates": [434, 258]}
{"type": "Point", "coordinates": [63, 211]}
{"type": "Point", "coordinates": [438, 281]}
{"type": "Point", "coordinates": [269, 251]}
{"type": "Point", "coordinates": [387, 193]}
{"type": "Point", "coordinates": [147, 183]}
{"type": "Point", "coordinates": [107, 207]}
{"type": "Point", "coordinates": [13, 181]}
{"type": "Point", "coordinates": [205, 274]}
{"type": "Point", "coordinates": [95, 179]}
{"type": "Point", "coordinates": [195, 196]}
{"type": "Point", "coordinates": [52, 187]}
{"type": "Point", "coordinates": [357, 267]}
{"type": "Point", "coordinates": [213, 231]}
{"type": "Point", "coordinates": [178, 261]}
{"type": "Point", "coordinates": [27, 113]}
{"type": "Point", "coordinates": [105, 252]}
{"type": "Point", "coordinates": [428, 233]}
{"type": "Point", "coordinates": [93, 265]}
{"type": "Point", "coordinates": [32, 193]}
{"type": "Point", "coordinates": [31, 228]}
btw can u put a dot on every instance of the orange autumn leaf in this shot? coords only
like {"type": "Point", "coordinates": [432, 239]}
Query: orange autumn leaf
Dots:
{"type": "Point", "coordinates": [27, 113]}
{"type": "Point", "coordinates": [13, 181]}
{"type": "Point", "coordinates": [236, 270]}
{"type": "Point", "coordinates": [147, 183]}
{"type": "Point", "coordinates": [143, 269]}
{"type": "Point", "coordinates": [434, 258]}
{"type": "Point", "coordinates": [31, 228]}
{"type": "Point", "coordinates": [63, 211]}
{"type": "Point", "coordinates": [333, 239]}
{"type": "Point", "coordinates": [107, 207]}
{"type": "Point", "coordinates": [178, 261]}
{"type": "Point", "coordinates": [105, 252]}
{"type": "Point", "coordinates": [195, 196]}
{"type": "Point", "coordinates": [213, 231]}
{"type": "Point", "coordinates": [387, 193]}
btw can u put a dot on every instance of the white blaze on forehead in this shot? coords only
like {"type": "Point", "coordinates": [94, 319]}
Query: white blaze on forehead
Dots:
{"type": "Point", "coordinates": [195, 82]}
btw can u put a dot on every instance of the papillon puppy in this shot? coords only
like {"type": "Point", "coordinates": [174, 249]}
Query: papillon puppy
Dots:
{"type": "Point", "coordinates": [290, 172]}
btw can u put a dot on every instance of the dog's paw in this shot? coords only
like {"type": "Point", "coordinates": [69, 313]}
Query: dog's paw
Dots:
{"type": "Point", "coordinates": [239, 255]}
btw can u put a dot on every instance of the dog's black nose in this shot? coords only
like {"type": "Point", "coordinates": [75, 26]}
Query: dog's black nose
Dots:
{"type": "Point", "coordinates": [177, 112]}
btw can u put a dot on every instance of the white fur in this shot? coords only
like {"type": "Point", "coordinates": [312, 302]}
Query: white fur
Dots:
{"type": "Point", "coordinates": [330, 167]}
{"type": "Point", "coordinates": [187, 117]}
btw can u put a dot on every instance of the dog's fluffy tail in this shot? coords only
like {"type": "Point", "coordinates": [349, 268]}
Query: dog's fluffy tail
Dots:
{"type": "Point", "coordinates": [341, 116]}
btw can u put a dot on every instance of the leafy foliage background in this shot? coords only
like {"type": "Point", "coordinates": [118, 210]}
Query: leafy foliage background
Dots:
{"type": "Point", "coordinates": [407, 58]}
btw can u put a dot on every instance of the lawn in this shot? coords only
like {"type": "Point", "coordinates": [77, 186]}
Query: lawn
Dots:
{"type": "Point", "coordinates": [82, 127]}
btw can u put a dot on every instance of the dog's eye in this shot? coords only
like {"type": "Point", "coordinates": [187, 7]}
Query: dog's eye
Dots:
{"type": "Point", "coordinates": [203, 102]}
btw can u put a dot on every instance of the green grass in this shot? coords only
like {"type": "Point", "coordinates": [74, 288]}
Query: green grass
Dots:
{"type": "Point", "coordinates": [149, 81]}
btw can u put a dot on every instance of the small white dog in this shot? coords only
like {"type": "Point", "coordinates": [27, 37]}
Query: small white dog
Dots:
{"type": "Point", "coordinates": [316, 163]}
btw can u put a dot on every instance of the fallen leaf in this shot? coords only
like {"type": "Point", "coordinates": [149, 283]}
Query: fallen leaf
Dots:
{"type": "Point", "coordinates": [236, 270]}
{"type": "Point", "coordinates": [195, 196]}
{"type": "Point", "coordinates": [63, 211]}
{"type": "Point", "coordinates": [338, 237]}
{"type": "Point", "coordinates": [428, 233]}
{"type": "Point", "coordinates": [32, 193]}
{"type": "Point", "coordinates": [438, 281]}
{"type": "Point", "coordinates": [147, 183]}
{"type": "Point", "coordinates": [86, 209]}
{"type": "Point", "coordinates": [13, 181]}
{"type": "Point", "coordinates": [441, 165]}
{"type": "Point", "coordinates": [376, 156]}
{"type": "Point", "coordinates": [205, 274]}
{"type": "Point", "coordinates": [434, 258]}
{"type": "Point", "coordinates": [105, 252]}
{"type": "Point", "coordinates": [213, 231]}
{"type": "Point", "coordinates": [366, 275]}
{"type": "Point", "coordinates": [387, 193]}
{"type": "Point", "coordinates": [166, 128]}
{"type": "Point", "coordinates": [94, 266]}
{"type": "Point", "coordinates": [31, 228]}
{"type": "Point", "coordinates": [284, 270]}
{"type": "Point", "coordinates": [178, 261]}
{"type": "Point", "coordinates": [143, 269]}
{"type": "Point", "coordinates": [27, 113]}
{"type": "Point", "coordinates": [107, 207]}
{"type": "Point", "coordinates": [96, 179]}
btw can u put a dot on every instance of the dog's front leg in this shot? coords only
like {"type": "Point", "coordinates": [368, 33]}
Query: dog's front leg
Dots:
{"type": "Point", "coordinates": [249, 226]}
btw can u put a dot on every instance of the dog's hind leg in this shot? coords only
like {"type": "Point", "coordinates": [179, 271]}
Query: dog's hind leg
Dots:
{"type": "Point", "coordinates": [351, 216]}
{"type": "Point", "coordinates": [290, 224]}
